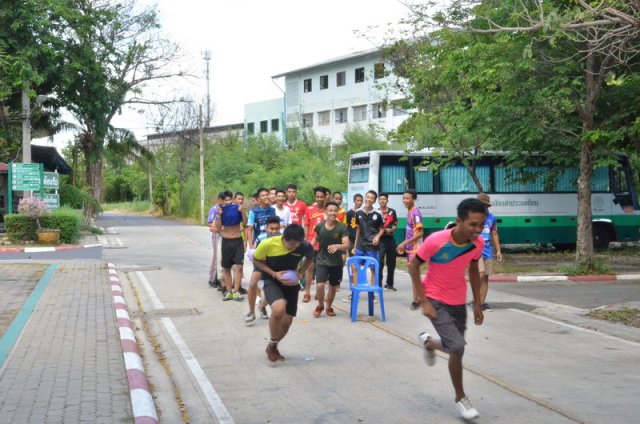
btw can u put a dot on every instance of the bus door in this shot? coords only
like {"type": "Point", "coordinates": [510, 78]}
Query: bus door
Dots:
{"type": "Point", "coordinates": [624, 193]}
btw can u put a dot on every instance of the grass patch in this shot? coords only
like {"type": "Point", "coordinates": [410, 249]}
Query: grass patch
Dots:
{"type": "Point", "coordinates": [136, 206]}
{"type": "Point", "coordinates": [627, 316]}
{"type": "Point", "coordinates": [599, 268]}
{"type": "Point", "coordinates": [96, 231]}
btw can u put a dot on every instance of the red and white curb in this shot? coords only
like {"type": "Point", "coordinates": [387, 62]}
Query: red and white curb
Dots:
{"type": "Point", "coordinates": [542, 278]}
{"type": "Point", "coordinates": [144, 409]}
{"type": "Point", "coordinates": [46, 249]}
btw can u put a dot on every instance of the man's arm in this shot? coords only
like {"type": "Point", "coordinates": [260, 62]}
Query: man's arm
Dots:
{"type": "Point", "coordinates": [262, 265]}
{"type": "Point", "coordinates": [496, 243]}
{"type": "Point", "coordinates": [414, 271]}
{"type": "Point", "coordinates": [332, 248]}
{"type": "Point", "coordinates": [417, 234]}
{"type": "Point", "coordinates": [474, 279]}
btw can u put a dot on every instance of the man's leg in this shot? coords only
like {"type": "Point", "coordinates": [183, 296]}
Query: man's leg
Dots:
{"type": "Point", "coordinates": [237, 277]}
{"type": "Point", "coordinates": [308, 281]}
{"type": "Point", "coordinates": [253, 290]}
{"type": "Point", "coordinates": [319, 298]}
{"type": "Point", "coordinates": [213, 270]}
{"type": "Point", "coordinates": [392, 256]}
{"type": "Point", "coordinates": [227, 283]}
{"type": "Point", "coordinates": [279, 324]}
{"type": "Point", "coordinates": [382, 253]}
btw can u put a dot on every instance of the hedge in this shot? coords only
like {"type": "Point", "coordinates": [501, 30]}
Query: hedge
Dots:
{"type": "Point", "coordinates": [21, 228]}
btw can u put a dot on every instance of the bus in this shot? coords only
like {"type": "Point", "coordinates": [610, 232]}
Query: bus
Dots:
{"type": "Point", "coordinates": [531, 210]}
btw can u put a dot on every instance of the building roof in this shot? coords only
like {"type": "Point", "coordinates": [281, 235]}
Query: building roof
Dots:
{"type": "Point", "coordinates": [47, 156]}
{"type": "Point", "coordinates": [4, 167]}
{"type": "Point", "coordinates": [336, 60]}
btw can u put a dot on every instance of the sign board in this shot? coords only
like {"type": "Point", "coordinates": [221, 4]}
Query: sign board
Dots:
{"type": "Point", "coordinates": [51, 180]}
{"type": "Point", "coordinates": [52, 200]}
{"type": "Point", "coordinates": [26, 176]}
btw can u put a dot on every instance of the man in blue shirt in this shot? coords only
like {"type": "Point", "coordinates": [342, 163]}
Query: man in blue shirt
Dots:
{"type": "Point", "coordinates": [214, 281]}
{"type": "Point", "coordinates": [485, 264]}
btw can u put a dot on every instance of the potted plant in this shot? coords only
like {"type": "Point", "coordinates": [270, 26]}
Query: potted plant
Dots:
{"type": "Point", "coordinates": [35, 209]}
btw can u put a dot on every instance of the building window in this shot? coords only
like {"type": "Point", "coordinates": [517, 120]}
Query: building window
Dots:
{"type": "Point", "coordinates": [324, 117]}
{"type": "Point", "coordinates": [359, 113]}
{"type": "Point", "coordinates": [399, 112]}
{"type": "Point", "coordinates": [307, 120]}
{"type": "Point", "coordinates": [378, 111]}
{"type": "Point", "coordinates": [378, 71]}
{"type": "Point", "coordinates": [275, 125]}
{"type": "Point", "coordinates": [359, 74]}
{"type": "Point", "coordinates": [264, 126]}
{"type": "Point", "coordinates": [341, 78]}
{"type": "Point", "coordinates": [341, 115]}
{"type": "Point", "coordinates": [251, 128]}
{"type": "Point", "coordinates": [324, 82]}
{"type": "Point", "coordinates": [307, 85]}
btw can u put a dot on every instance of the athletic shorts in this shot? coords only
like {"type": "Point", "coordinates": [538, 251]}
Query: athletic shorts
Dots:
{"type": "Point", "coordinates": [373, 254]}
{"type": "Point", "coordinates": [232, 252]}
{"type": "Point", "coordinates": [485, 265]}
{"type": "Point", "coordinates": [332, 274]}
{"type": "Point", "coordinates": [274, 291]}
{"type": "Point", "coordinates": [450, 324]}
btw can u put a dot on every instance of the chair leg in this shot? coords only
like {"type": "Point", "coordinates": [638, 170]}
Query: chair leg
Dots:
{"type": "Point", "coordinates": [370, 298]}
{"type": "Point", "coordinates": [384, 316]}
{"type": "Point", "coordinates": [354, 305]}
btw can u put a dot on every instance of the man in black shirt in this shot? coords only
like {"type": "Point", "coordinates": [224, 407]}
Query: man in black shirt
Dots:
{"type": "Point", "coordinates": [387, 241]}
{"type": "Point", "coordinates": [370, 229]}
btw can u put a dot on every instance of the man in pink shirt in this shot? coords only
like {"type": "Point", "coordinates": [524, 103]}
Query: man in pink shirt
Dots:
{"type": "Point", "coordinates": [443, 290]}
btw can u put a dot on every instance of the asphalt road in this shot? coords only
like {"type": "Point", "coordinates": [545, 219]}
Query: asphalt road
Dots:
{"type": "Point", "coordinates": [536, 358]}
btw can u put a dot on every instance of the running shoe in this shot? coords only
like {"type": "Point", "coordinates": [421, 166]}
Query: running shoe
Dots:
{"type": "Point", "coordinates": [273, 354]}
{"type": "Point", "coordinates": [228, 296]}
{"type": "Point", "coordinates": [242, 290]}
{"type": "Point", "coordinates": [388, 287]}
{"type": "Point", "coordinates": [415, 305]}
{"type": "Point", "coordinates": [486, 307]}
{"type": "Point", "coordinates": [347, 299]}
{"type": "Point", "coordinates": [264, 314]}
{"type": "Point", "coordinates": [237, 297]}
{"type": "Point", "coordinates": [331, 312]}
{"type": "Point", "coordinates": [250, 317]}
{"type": "Point", "coordinates": [429, 355]}
{"type": "Point", "coordinates": [212, 284]}
{"type": "Point", "coordinates": [466, 409]}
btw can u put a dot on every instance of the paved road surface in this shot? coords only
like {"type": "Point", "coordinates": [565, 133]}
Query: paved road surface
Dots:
{"type": "Point", "coordinates": [534, 360]}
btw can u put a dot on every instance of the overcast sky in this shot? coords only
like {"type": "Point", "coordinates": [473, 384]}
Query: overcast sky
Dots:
{"type": "Point", "coordinates": [251, 40]}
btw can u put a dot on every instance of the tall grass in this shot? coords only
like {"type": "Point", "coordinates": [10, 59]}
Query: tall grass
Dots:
{"type": "Point", "coordinates": [136, 206]}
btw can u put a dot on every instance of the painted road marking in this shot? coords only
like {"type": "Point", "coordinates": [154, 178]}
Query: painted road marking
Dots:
{"type": "Point", "coordinates": [9, 338]}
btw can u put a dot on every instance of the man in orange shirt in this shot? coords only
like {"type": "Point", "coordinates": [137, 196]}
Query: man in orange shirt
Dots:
{"type": "Point", "coordinates": [315, 215]}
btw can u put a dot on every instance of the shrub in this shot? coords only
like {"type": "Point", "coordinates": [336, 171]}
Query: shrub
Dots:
{"type": "Point", "coordinates": [68, 221]}
{"type": "Point", "coordinates": [20, 228]}
{"type": "Point", "coordinates": [72, 196]}
{"type": "Point", "coordinates": [34, 208]}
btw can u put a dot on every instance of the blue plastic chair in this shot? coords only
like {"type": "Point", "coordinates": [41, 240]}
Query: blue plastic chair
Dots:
{"type": "Point", "coordinates": [362, 264]}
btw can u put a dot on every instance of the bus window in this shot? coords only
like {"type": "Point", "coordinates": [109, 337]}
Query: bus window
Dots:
{"type": "Point", "coordinates": [359, 170]}
{"type": "Point", "coordinates": [424, 180]}
{"type": "Point", "coordinates": [529, 179]}
{"type": "Point", "coordinates": [600, 180]}
{"type": "Point", "coordinates": [393, 175]}
{"type": "Point", "coordinates": [456, 179]}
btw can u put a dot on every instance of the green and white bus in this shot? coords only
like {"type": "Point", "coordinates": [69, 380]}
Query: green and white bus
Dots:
{"type": "Point", "coordinates": [527, 212]}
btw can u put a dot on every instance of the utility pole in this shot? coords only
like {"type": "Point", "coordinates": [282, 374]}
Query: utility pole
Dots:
{"type": "Point", "coordinates": [201, 166]}
{"type": "Point", "coordinates": [26, 126]}
{"type": "Point", "coordinates": [206, 55]}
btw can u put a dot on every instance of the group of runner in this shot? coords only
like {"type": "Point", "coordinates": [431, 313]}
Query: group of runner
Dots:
{"type": "Point", "coordinates": [291, 244]}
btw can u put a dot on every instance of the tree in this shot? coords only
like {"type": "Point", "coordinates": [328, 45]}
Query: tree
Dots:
{"type": "Point", "coordinates": [113, 51]}
{"type": "Point", "coordinates": [584, 50]}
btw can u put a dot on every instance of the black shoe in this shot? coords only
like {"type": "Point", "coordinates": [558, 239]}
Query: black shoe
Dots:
{"type": "Point", "coordinates": [242, 290]}
{"type": "Point", "coordinates": [486, 307]}
{"type": "Point", "coordinates": [415, 306]}
{"type": "Point", "coordinates": [212, 284]}
{"type": "Point", "coordinates": [388, 287]}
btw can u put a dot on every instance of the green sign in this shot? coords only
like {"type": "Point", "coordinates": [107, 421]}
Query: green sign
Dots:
{"type": "Point", "coordinates": [52, 200]}
{"type": "Point", "coordinates": [51, 180]}
{"type": "Point", "coordinates": [26, 176]}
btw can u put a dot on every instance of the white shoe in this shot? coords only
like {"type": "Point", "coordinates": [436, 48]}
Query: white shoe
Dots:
{"type": "Point", "coordinates": [250, 317]}
{"type": "Point", "coordinates": [429, 355]}
{"type": "Point", "coordinates": [465, 409]}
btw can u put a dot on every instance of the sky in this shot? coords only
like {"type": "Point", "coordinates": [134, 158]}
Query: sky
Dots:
{"type": "Point", "coordinates": [251, 40]}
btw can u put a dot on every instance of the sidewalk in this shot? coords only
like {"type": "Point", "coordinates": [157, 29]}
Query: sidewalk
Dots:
{"type": "Point", "coordinates": [67, 365]}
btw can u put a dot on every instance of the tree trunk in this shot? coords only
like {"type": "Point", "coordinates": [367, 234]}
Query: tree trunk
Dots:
{"type": "Point", "coordinates": [93, 171]}
{"type": "Point", "coordinates": [584, 246]}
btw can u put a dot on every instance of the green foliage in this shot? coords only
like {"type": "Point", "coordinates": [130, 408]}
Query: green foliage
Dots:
{"type": "Point", "coordinates": [67, 220]}
{"type": "Point", "coordinates": [72, 196]}
{"type": "Point", "coordinates": [599, 267]}
{"type": "Point", "coordinates": [136, 206]}
{"type": "Point", "coordinates": [20, 228]}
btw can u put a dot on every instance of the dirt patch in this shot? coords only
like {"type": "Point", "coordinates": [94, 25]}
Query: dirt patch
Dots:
{"type": "Point", "coordinates": [627, 316]}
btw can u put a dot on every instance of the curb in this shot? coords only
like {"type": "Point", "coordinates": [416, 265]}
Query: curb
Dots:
{"type": "Point", "coordinates": [541, 278]}
{"type": "Point", "coordinates": [46, 249]}
{"type": "Point", "coordinates": [144, 409]}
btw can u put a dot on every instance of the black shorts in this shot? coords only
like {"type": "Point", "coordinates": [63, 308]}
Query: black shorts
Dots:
{"type": "Point", "coordinates": [232, 252]}
{"type": "Point", "coordinates": [332, 274]}
{"type": "Point", "coordinates": [450, 324]}
{"type": "Point", "coordinates": [274, 291]}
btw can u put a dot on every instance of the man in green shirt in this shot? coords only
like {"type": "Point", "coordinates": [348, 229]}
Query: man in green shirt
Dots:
{"type": "Point", "coordinates": [333, 238]}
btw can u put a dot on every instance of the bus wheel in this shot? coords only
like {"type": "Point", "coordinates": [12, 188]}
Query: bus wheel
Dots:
{"type": "Point", "coordinates": [563, 247]}
{"type": "Point", "coordinates": [601, 237]}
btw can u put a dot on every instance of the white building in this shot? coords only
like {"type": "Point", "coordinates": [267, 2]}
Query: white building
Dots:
{"type": "Point", "coordinates": [327, 97]}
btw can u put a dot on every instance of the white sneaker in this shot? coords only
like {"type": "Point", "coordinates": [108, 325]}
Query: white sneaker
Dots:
{"type": "Point", "coordinates": [347, 299]}
{"type": "Point", "coordinates": [429, 355]}
{"type": "Point", "coordinates": [465, 409]}
{"type": "Point", "coordinates": [250, 317]}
